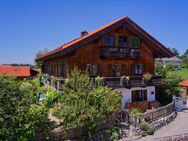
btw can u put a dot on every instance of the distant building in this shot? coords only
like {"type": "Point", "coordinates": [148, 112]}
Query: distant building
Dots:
{"type": "Point", "coordinates": [20, 72]}
{"type": "Point", "coordinates": [172, 60]}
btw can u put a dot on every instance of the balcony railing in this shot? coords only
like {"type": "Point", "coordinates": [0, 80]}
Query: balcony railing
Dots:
{"type": "Point", "coordinates": [119, 52]}
{"type": "Point", "coordinates": [132, 81]}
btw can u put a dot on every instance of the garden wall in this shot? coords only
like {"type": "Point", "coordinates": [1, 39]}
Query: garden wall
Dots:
{"type": "Point", "coordinates": [59, 135]}
{"type": "Point", "coordinates": [180, 103]}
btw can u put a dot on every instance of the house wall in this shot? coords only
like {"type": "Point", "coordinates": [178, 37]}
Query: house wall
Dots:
{"type": "Point", "coordinates": [90, 54]}
{"type": "Point", "coordinates": [127, 94]}
{"type": "Point", "coordinates": [181, 103]}
{"type": "Point", "coordinates": [176, 64]}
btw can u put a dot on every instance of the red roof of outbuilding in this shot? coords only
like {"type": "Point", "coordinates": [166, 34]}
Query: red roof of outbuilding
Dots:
{"type": "Point", "coordinates": [19, 71]}
{"type": "Point", "coordinates": [184, 83]}
{"type": "Point", "coordinates": [108, 27]}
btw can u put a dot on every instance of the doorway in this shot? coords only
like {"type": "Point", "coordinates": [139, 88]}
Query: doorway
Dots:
{"type": "Point", "coordinates": [139, 95]}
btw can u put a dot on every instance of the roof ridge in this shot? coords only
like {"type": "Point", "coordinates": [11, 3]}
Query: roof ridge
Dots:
{"type": "Point", "coordinates": [66, 45]}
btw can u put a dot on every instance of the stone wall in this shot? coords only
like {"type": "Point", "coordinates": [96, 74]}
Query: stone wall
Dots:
{"type": "Point", "coordinates": [163, 121]}
{"type": "Point", "coordinates": [59, 134]}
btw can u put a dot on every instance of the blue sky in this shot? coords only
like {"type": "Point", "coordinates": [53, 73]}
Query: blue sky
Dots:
{"type": "Point", "coordinates": [27, 26]}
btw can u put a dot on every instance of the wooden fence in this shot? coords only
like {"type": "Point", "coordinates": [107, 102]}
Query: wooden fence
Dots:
{"type": "Point", "coordinates": [158, 113]}
{"type": "Point", "coordinates": [150, 116]}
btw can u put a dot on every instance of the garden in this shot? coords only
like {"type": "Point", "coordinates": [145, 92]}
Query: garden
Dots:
{"type": "Point", "coordinates": [82, 103]}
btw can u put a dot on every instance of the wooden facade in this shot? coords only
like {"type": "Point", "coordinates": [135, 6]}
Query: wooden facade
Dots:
{"type": "Point", "coordinates": [100, 59]}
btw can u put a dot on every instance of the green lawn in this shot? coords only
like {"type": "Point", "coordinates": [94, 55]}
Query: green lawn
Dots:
{"type": "Point", "coordinates": [183, 73]}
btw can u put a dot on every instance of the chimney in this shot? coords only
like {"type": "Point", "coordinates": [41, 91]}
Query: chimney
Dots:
{"type": "Point", "coordinates": [83, 33]}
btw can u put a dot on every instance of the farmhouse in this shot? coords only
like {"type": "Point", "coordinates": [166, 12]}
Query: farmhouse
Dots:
{"type": "Point", "coordinates": [120, 52]}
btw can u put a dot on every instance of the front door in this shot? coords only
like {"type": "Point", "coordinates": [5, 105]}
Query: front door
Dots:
{"type": "Point", "coordinates": [139, 95]}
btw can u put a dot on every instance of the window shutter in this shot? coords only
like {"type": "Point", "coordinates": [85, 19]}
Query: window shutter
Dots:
{"type": "Point", "coordinates": [99, 69]}
{"type": "Point", "coordinates": [132, 70]}
{"type": "Point", "coordinates": [144, 68]}
{"type": "Point", "coordinates": [110, 69]}
{"type": "Point", "coordinates": [123, 69]}
{"type": "Point", "coordinates": [137, 42]}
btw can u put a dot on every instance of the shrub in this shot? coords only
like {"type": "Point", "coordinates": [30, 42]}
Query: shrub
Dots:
{"type": "Point", "coordinates": [145, 127]}
{"type": "Point", "coordinates": [82, 102]}
{"type": "Point", "coordinates": [170, 67]}
{"type": "Point", "coordinates": [160, 70]}
{"type": "Point", "coordinates": [136, 112]}
{"type": "Point", "coordinates": [21, 115]}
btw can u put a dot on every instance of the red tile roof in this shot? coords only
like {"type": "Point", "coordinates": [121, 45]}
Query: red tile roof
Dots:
{"type": "Point", "coordinates": [184, 83]}
{"type": "Point", "coordinates": [91, 34]}
{"type": "Point", "coordinates": [19, 71]}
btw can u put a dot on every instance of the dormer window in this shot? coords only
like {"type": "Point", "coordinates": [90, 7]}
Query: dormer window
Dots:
{"type": "Point", "coordinates": [109, 40]}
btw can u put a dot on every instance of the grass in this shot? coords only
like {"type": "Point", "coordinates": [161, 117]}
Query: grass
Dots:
{"type": "Point", "coordinates": [183, 73]}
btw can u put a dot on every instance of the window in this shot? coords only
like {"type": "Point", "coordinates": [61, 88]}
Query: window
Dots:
{"type": "Point", "coordinates": [109, 40]}
{"type": "Point", "coordinates": [92, 69]}
{"type": "Point", "coordinates": [138, 69]}
{"type": "Point", "coordinates": [184, 102]}
{"type": "Point", "coordinates": [116, 70]}
{"type": "Point", "coordinates": [122, 41]}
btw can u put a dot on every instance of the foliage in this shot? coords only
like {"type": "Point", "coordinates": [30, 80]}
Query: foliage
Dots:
{"type": "Point", "coordinates": [14, 103]}
{"type": "Point", "coordinates": [183, 73]}
{"type": "Point", "coordinates": [21, 114]}
{"type": "Point", "coordinates": [175, 51]}
{"type": "Point", "coordinates": [38, 54]}
{"type": "Point", "coordinates": [84, 101]}
{"type": "Point", "coordinates": [184, 63]}
{"type": "Point", "coordinates": [147, 76]}
{"type": "Point", "coordinates": [145, 127]}
{"type": "Point", "coordinates": [114, 132]}
{"type": "Point", "coordinates": [170, 67]}
{"type": "Point", "coordinates": [160, 70]}
{"type": "Point", "coordinates": [170, 84]}
{"type": "Point", "coordinates": [136, 112]}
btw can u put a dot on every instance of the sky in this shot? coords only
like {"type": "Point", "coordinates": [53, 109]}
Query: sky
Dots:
{"type": "Point", "coordinates": [27, 26]}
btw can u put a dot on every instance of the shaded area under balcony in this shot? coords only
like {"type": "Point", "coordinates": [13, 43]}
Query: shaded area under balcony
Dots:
{"type": "Point", "coordinates": [132, 81]}
{"type": "Point", "coordinates": [119, 52]}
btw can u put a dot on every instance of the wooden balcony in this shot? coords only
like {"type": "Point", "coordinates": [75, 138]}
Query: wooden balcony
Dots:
{"type": "Point", "coordinates": [113, 82]}
{"type": "Point", "coordinates": [132, 81]}
{"type": "Point", "coordinates": [119, 52]}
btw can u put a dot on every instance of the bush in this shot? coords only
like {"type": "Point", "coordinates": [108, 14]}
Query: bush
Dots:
{"type": "Point", "coordinates": [21, 114]}
{"type": "Point", "coordinates": [83, 101]}
{"type": "Point", "coordinates": [145, 127]}
{"type": "Point", "coordinates": [160, 70]}
{"type": "Point", "coordinates": [170, 67]}
{"type": "Point", "coordinates": [136, 112]}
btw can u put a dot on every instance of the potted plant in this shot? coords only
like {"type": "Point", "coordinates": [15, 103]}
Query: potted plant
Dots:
{"type": "Point", "coordinates": [123, 80]}
{"type": "Point", "coordinates": [147, 77]}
